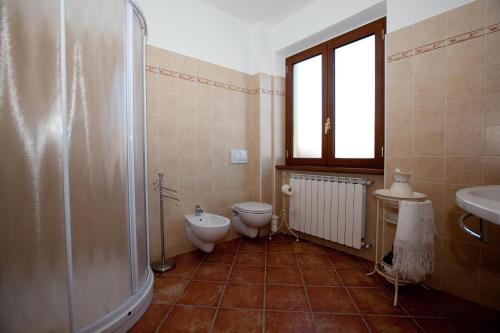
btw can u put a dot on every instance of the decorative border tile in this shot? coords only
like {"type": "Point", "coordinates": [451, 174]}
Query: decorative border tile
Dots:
{"type": "Point", "coordinates": [442, 43]}
{"type": "Point", "coordinates": [196, 79]}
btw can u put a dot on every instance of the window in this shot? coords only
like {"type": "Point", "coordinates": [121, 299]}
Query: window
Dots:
{"type": "Point", "coordinates": [335, 101]}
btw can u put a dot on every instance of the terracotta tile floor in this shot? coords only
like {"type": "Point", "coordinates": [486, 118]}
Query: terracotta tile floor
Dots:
{"type": "Point", "coordinates": [283, 286]}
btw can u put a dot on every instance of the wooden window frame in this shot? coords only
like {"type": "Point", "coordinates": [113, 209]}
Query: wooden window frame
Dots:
{"type": "Point", "coordinates": [326, 49]}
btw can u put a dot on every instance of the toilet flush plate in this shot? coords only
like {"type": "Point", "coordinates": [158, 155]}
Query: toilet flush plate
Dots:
{"type": "Point", "coordinates": [239, 156]}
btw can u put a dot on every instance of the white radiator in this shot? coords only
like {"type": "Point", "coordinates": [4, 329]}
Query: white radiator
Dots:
{"type": "Point", "coordinates": [329, 207]}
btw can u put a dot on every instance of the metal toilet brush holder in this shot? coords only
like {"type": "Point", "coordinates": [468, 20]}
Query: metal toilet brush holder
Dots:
{"type": "Point", "coordinates": [164, 264]}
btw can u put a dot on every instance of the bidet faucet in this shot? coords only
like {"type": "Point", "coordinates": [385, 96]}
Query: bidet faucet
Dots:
{"type": "Point", "coordinates": [198, 210]}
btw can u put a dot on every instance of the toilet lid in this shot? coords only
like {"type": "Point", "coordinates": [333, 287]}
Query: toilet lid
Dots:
{"type": "Point", "coordinates": [253, 207]}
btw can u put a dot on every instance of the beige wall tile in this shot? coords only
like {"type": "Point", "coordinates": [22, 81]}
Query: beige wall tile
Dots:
{"type": "Point", "coordinates": [399, 120]}
{"type": "Point", "coordinates": [489, 294]}
{"type": "Point", "coordinates": [187, 166]}
{"type": "Point", "coordinates": [400, 144]}
{"type": "Point", "coordinates": [434, 191]}
{"type": "Point", "coordinates": [450, 197]}
{"type": "Point", "coordinates": [493, 48]}
{"type": "Point", "coordinates": [429, 117]}
{"type": "Point", "coordinates": [186, 127]}
{"type": "Point", "coordinates": [428, 169]}
{"type": "Point", "coordinates": [168, 95]}
{"type": "Point", "coordinates": [429, 90]}
{"type": "Point", "coordinates": [168, 166]}
{"type": "Point", "coordinates": [493, 110]}
{"type": "Point", "coordinates": [428, 143]}
{"type": "Point", "coordinates": [467, 18]}
{"type": "Point", "coordinates": [492, 170]}
{"type": "Point", "coordinates": [167, 126]}
{"type": "Point", "coordinates": [457, 117]}
{"type": "Point", "coordinates": [186, 101]}
{"type": "Point", "coordinates": [429, 63]}
{"type": "Point", "coordinates": [168, 147]}
{"type": "Point", "coordinates": [203, 184]}
{"type": "Point", "coordinates": [191, 127]}
{"type": "Point", "coordinates": [465, 113]}
{"type": "Point", "coordinates": [152, 54]}
{"type": "Point", "coordinates": [399, 72]}
{"type": "Point", "coordinates": [492, 12]}
{"type": "Point", "coordinates": [467, 141]}
{"type": "Point", "coordinates": [400, 40]}
{"type": "Point", "coordinates": [466, 84]}
{"type": "Point", "coordinates": [493, 79]}
{"type": "Point", "coordinates": [464, 170]}
{"type": "Point", "coordinates": [430, 30]}
{"type": "Point", "coordinates": [464, 55]}
{"type": "Point", "coordinates": [187, 144]}
{"type": "Point", "coordinates": [186, 65]}
{"type": "Point", "coordinates": [461, 282]}
{"type": "Point", "coordinates": [400, 97]}
{"type": "Point", "coordinates": [489, 262]}
{"type": "Point", "coordinates": [461, 255]}
{"type": "Point", "coordinates": [492, 140]}
{"type": "Point", "coordinates": [435, 280]}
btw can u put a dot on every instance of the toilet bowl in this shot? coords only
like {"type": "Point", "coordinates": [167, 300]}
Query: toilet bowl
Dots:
{"type": "Point", "coordinates": [248, 217]}
{"type": "Point", "coordinates": [206, 229]}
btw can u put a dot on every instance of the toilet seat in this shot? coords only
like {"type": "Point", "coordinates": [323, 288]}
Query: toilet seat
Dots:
{"type": "Point", "coordinates": [252, 207]}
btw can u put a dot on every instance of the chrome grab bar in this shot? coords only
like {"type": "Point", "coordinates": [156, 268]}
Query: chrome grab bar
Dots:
{"type": "Point", "coordinates": [480, 236]}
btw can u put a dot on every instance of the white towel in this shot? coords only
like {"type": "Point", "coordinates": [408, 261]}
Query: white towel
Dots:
{"type": "Point", "coordinates": [414, 241]}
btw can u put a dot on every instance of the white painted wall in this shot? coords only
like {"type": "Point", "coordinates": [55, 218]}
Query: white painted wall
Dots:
{"type": "Point", "coordinates": [314, 18]}
{"type": "Point", "coordinates": [196, 29]}
{"type": "Point", "coordinates": [261, 49]}
{"type": "Point", "coordinates": [401, 13]}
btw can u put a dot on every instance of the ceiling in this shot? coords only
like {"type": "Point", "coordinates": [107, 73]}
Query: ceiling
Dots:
{"type": "Point", "coordinates": [265, 11]}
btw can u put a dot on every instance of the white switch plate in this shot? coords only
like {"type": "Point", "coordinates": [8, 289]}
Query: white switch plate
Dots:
{"type": "Point", "coordinates": [239, 156]}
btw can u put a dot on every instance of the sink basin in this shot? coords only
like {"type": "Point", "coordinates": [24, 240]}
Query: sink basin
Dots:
{"type": "Point", "coordinates": [208, 227]}
{"type": "Point", "coordinates": [482, 201]}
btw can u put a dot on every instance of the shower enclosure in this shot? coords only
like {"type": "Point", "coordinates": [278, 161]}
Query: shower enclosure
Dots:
{"type": "Point", "coordinates": [73, 213]}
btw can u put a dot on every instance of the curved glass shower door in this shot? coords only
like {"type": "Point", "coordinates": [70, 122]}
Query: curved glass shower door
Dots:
{"type": "Point", "coordinates": [73, 221]}
{"type": "Point", "coordinates": [97, 155]}
{"type": "Point", "coordinates": [33, 262]}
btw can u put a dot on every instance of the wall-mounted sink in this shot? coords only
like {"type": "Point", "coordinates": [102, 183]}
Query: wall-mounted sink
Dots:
{"type": "Point", "coordinates": [482, 201]}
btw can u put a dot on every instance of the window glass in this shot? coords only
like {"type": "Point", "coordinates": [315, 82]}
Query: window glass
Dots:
{"type": "Point", "coordinates": [354, 95]}
{"type": "Point", "coordinates": [307, 108]}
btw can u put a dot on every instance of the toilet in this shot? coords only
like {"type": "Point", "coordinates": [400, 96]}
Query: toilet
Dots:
{"type": "Point", "coordinates": [204, 230]}
{"type": "Point", "coordinates": [248, 217]}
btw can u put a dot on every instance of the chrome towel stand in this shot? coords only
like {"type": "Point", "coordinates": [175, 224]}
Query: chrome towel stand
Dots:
{"type": "Point", "coordinates": [163, 265]}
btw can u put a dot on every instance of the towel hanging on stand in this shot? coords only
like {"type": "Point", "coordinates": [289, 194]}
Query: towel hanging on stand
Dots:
{"type": "Point", "coordinates": [414, 241]}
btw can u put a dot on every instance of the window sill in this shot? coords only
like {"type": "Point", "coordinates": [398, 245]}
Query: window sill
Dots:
{"type": "Point", "coordinates": [312, 168]}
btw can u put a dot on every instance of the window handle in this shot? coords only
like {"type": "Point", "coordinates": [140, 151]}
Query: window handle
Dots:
{"type": "Point", "coordinates": [328, 126]}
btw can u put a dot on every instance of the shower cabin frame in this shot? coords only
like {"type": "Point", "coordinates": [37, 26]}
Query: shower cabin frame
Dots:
{"type": "Point", "coordinates": [128, 313]}
{"type": "Point", "coordinates": [74, 241]}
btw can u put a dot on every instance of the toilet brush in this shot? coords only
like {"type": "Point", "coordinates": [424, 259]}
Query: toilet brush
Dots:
{"type": "Point", "coordinates": [164, 264]}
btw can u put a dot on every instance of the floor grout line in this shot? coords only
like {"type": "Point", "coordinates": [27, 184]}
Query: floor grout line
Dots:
{"type": "Point", "coordinates": [164, 318]}
{"type": "Point", "coordinates": [307, 294]}
{"type": "Point", "coordinates": [224, 288]}
{"type": "Point", "coordinates": [265, 289]}
{"type": "Point", "coordinates": [348, 294]}
{"type": "Point", "coordinates": [172, 305]}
